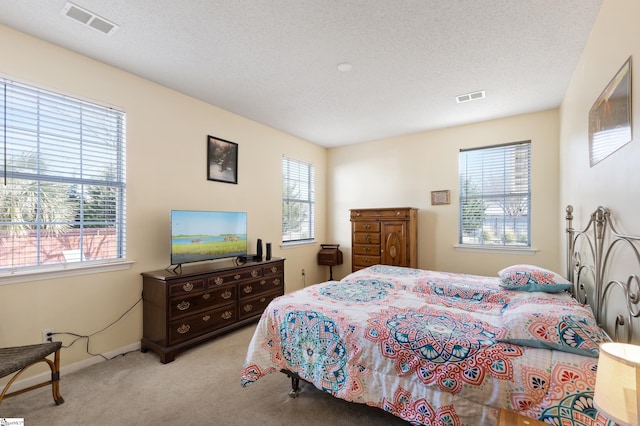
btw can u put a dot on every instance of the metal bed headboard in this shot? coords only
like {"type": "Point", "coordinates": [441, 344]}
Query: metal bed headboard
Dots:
{"type": "Point", "coordinates": [596, 255]}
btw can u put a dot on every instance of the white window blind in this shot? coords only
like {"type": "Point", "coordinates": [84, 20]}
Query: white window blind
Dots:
{"type": "Point", "coordinates": [298, 201]}
{"type": "Point", "coordinates": [62, 195]}
{"type": "Point", "coordinates": [495, 195]}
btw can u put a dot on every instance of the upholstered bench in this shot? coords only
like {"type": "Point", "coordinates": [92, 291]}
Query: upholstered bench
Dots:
{"type": "Point", "coordinates": [19, 358]}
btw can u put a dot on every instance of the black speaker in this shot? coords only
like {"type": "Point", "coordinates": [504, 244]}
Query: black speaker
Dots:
{"type": "Point", "coordinates": [268, 251]}
{"type": "Point", "coordinates": [259, 249]}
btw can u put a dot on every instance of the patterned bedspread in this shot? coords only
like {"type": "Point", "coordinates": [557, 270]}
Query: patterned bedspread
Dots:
{"type": "Point", "coordinates": [428, 347]}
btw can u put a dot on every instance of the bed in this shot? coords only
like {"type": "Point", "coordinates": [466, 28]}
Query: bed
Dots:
{"type": "Point", "coordinates": [440, 348]}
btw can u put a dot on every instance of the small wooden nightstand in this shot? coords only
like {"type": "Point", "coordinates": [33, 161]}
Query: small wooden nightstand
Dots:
{"type": "Point", "coordinates": [510, 418]}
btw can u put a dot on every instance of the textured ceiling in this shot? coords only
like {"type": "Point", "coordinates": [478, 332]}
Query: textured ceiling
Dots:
{"type": "Point", "coordinates": [275, 61]}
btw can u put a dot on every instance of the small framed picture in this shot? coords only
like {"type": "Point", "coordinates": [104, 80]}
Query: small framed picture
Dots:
{"type": "Point", "coordinates": [222, 160]}
{"type": "Point", "coordinates": [440, 197]}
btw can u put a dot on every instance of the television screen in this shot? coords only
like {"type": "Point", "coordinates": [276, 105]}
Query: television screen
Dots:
{"type": "Point", "coordinates": [206, 235]}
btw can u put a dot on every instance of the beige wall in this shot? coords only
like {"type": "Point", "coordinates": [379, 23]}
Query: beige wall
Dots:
{"type": "Point", "coordinates": [166, 157]}
{"type": "Point", "coordinates": [402, 172]}
{"type": "Point", "coordinates": [615, 181]}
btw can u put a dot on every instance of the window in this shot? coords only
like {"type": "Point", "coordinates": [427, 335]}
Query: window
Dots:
{"type": "Point", "coordinates": [495, 195]}
{"type": "Point", "coordinates": [298, 201]}
{"type": "Point", "coordinates": [62, 195]}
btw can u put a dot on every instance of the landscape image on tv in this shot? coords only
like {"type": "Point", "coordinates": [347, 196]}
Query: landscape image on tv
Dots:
{"type": "Point", "coordinates": [206, 235]}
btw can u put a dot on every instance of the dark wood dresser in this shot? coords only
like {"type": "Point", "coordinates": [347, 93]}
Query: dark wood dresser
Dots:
{"type": "Point", "coordinates": [386, 236]}
{"type": "Point", "coordinates": [186, 307]}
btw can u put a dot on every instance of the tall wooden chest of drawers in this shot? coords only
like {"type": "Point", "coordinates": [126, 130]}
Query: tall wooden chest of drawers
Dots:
{"type": "Point", "coordinates": [181, 309]}
{"type": "Point", "coordinates": [387, 236]}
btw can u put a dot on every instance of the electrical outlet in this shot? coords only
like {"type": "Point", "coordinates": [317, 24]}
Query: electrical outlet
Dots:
{"type": "Point", "coordinates": [302, 272]}
{"type": "Point", "coordinates": [48, 335]}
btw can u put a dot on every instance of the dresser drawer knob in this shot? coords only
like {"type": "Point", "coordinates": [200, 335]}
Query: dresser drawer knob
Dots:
{"type": "Point", "coordinates": [183, 306]}
{"type": "Point", "coordinates": [367, 261]}
{"type": "Point", "coordinates": [367, 249]}
{"type": "Point", "coordinates": [367, 237]}
{"type": "Point", "coordinates": [226, 295]}
{"type": "Point", "coordinates": [206, 318]}
{"type": "Point", "coordinates": [254, 273]}
{"type": "Point", "coordinates": [262, 299]}
{"type": "Point", "coordinates": [206, 296]}
{"type": "Point", "coordinates": [218, 280]}
{"type": "Point", "coordinates": [274, 269]}
{"type": "Point", "coordinates": [226, 315]}
{"type": "Point", "coordinates": [184, 328]}
{"type": "Point", "coordinates": [276, 281]}
{"type": "Point", "coordinates": [248, 308]}
{"type": "Point", "coordinates": [187, 287]}
{"type": "Point", "coordinates": [263, 282]}
{"type": "Point", "coordinates": [237, 276]}
{"type": "Point", "coordinates": [248, 289]}
{"type": "Point", "coordinates": [367, 226]}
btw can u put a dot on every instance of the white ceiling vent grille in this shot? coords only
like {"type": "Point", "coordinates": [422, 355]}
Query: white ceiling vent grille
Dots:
{"type": "Point", "coordinates": [467, 97]}
{"type": "Point", "coordinates": [89, 19]}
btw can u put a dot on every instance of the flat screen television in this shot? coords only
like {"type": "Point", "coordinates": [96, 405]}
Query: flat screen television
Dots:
{"type": "Point", "coordinates": [197, 236]}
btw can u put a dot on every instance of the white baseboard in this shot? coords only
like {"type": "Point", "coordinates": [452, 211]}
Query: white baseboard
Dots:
{"type": "Point", "coordinates": [67, 369]}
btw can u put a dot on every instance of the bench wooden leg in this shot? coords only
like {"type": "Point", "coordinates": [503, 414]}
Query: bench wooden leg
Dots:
{"type": "Point", "coordinates": [55, 378]}
{"type": "Point", "coordinates": [54, 382]}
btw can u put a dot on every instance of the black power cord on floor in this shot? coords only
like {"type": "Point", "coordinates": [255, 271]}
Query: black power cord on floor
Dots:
{"type": "Point", "coordinates": [88, 336]}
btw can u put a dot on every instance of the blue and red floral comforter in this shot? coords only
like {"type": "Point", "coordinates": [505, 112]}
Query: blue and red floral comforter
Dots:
{"type": "Point", "coordinates": [429, 347]}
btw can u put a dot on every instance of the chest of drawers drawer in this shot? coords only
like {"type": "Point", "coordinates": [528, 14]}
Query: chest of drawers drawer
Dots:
{"type": "Point", "coordinates": [365, 226]}
{"type": "Point", "coordinates": [255, 305]}
{"type": "Point", "coordinates": [186, 287]}
{"type": "Point", "coordinates": [365, 261]}
{"type": "Point", "coordinates": [189, 327]}
{"type": "Point", "coordinates": [366, 250]}
{"type": "Point", "coordinates": [390, 213]}
{"type": "Point", "coordinates": [189, 305]}
{"type": "Point", "coordinates": [235, 277]}
{"type": "Point", "coordinates": [366, 238]}
{"type": "Point", "coordinates": [276, 268]}
{"type": "Point", "coordinates": [266, 284]}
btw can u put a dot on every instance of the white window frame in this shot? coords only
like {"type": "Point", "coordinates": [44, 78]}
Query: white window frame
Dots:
{"type": "Point", "coordinates": [43, 125]}
{"type": "Point", "coordinates": [298, 191]}
{"type": "Point", "coordinates": [495, 198]}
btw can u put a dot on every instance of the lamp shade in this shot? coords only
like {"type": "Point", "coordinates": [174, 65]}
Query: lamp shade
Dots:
{"type": "Point", "coordinates": [616, 394]}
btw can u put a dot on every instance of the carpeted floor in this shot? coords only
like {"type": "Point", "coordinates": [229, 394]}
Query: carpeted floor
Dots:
{"type": "Point", "coordinates": [201, 387]}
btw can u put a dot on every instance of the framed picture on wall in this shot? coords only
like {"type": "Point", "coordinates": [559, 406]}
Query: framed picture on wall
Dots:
{"type": "Point", "coordinates": [440, 197]}
{"type": "Point", "coordinates": [222, 160]}
{"type": "Point", "coordinates": [610, 117]}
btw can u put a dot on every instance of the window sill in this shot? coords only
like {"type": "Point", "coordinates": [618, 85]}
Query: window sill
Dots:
{"type": "Point", "coordinates": [62, 271]}
{"type": "Point", "coordinates": [295, 244]}
{"type": "Point", "coordinates": [530, 251]}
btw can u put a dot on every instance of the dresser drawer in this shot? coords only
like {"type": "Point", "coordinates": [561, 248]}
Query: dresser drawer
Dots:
{"type": "Point", "coordinates": [364, 226]}
{"type": "Point", "coordinates": [186, 287]}
{"type": "Point", "coordinates": [365, 261]}
{"type": "Point", "coordinates": [234, 277]}
{"type": "Point", "coordinates": [264, 285]}
{"type": "Point", "coordinates": [382, 213]}
{"type": "Point", "coordinates": [277, 268]}
{"type": "Point", "coordinates": [184, 306]}
{"type": "Point", "coordinates": [366, 249]}
{"type": "Point", "coordinates": [366, 238]}
{"type": "Point", "coordinates": [190, 327]}
{"type": "Point", "coordinates": [256, 305]}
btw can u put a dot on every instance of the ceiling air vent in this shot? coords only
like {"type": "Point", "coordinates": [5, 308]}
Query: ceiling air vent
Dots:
{"type": "Point", "coordinates": [474, 96]}
{"type": "Point", "coordinates": [89, 19]}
